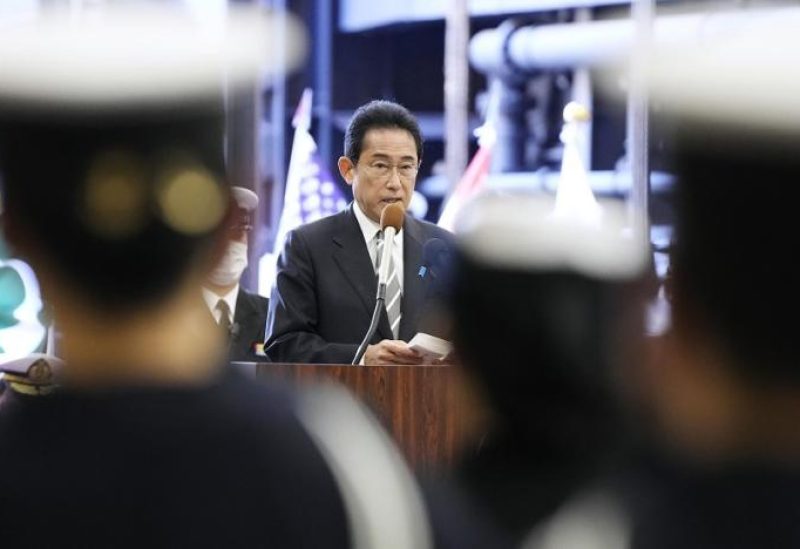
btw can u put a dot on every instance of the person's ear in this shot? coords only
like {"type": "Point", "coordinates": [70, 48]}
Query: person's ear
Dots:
{"type": "Point", "coordinates": [346, 168]}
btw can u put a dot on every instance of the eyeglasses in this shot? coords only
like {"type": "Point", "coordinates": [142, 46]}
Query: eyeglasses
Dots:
{"type": "Point", "coordinates": [383, 170]}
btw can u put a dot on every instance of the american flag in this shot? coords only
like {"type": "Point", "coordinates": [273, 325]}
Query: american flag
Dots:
{"type": "Point", "coordinates": [311, 191]}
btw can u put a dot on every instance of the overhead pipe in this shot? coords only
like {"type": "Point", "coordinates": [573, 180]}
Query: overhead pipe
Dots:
{"type": "Point", "coordinates": [513, 50]}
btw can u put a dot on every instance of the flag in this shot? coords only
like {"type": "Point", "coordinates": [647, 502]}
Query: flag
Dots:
{"type": "Point", "coordinates": [474, 178]}
{"type": "Point", "coordinates": [311, 191]}
{"type": "Point", "coordinates": [472, 182]}
{"type": "Point", "coordinates": [574, 196]}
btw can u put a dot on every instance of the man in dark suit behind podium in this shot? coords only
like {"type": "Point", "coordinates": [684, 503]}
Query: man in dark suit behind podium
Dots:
{"type": "Point", "coordinates": [324, 292]}
{"type": "Point", "coordinates": [241, 313]}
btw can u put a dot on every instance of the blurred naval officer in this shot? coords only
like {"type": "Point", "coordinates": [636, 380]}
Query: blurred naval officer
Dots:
{"type": "Point", "coordinates": [723, 403]}
{"type": "Point", "coordinates": [545, 309]}
{"type": "Point", "coordinates": [113, 180]}
{"type": "Point", "coordinates": [720, 461]}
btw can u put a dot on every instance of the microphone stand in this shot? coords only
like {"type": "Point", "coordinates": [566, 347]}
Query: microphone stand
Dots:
{"type": "Point", "coordinates": [373, 325]}
{"type": "Point", "coordinates": [380, 298]}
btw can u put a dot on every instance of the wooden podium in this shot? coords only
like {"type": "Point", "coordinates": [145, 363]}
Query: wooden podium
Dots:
{"type": "Point", "coordinates": [420, 406]}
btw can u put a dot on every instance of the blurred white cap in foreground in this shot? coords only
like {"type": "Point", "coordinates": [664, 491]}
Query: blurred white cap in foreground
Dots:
{"type": "Point", "coordinates": [521, 232]}
{"type": "Point", "coordinates": [141, 54]}
{"type": "Point", "coordinates": [245, 198]}
{"type": "Point", "coordinates": [746, 76]}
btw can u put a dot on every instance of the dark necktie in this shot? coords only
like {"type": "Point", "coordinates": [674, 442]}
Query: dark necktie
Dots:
{"type": "Point", "coordinates": [224, 316]}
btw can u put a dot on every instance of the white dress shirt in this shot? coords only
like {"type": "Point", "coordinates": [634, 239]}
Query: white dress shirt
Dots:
{"type": "Point", "coordinates": [212, 299]}
{"type": "Point", "coordinates": [369, 228]}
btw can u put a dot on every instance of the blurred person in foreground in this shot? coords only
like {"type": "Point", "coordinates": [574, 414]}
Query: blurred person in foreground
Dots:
{"type": "Point", "coordinates": [324, 292]}
{"type": "Point", "coordinates": [721, 405]}
{"type": "Point", "coordinates": [725, 398]}
{"type": "Point", "coordinates": [545, 309]}
{"type": "Point", "coordinates": [115, 194]}
{"type": "Point", "coordinates": [240, 314]}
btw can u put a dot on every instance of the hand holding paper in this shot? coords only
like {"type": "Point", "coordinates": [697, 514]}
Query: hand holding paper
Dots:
{"type": "Point", "coordinates": [432, 349]}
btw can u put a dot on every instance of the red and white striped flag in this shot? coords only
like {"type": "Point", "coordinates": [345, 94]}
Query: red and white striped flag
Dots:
{"type": "Point", "coordinates": [472, 182]}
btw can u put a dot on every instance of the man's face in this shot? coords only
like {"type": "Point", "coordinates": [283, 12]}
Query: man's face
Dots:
{"type": "Point", "coordinates": [386, 171]}
{"type": "Point", "coordinates": [240, 226]}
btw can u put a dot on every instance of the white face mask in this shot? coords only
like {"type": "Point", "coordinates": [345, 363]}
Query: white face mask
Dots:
{"type": "Point", "coordinates": [231, 265]}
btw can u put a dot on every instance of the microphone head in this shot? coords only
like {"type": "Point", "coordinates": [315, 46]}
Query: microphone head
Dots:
{"type": "Point", "coordinates": [393, 216]}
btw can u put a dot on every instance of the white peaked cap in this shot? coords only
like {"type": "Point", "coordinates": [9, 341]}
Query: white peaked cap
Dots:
{"type": "Point", "coordinates": [245, 198]}
{"type": "Point", "coordinates": [746, 76]}
{"type": "Point", "coordinates": [21, 366]}
{"type": "Point", "coordinates": [520, 232]}
{"type": "Point", "coordinates": [140, 54]}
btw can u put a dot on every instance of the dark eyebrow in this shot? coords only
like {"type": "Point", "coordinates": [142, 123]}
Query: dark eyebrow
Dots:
{"type": "Point", "coordinates": [381, 156]}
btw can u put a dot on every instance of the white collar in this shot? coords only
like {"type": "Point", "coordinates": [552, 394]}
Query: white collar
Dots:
{"type": "Point", "coordinates": [369, 227]}
{"type": "Point", "coordinates": [212, 299]}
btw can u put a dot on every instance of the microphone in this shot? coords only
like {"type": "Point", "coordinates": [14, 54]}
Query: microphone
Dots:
{"type": "Point", "coordinates": [392, 218]}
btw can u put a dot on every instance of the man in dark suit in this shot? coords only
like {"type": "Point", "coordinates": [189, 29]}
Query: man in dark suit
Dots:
{"type": "Point", "coordinates": [325, 288]}
{"type": "Point", "coordinates": [243, 315]}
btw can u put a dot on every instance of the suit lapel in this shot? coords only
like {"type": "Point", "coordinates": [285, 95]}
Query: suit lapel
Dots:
{"type": "Point", "coordinates": [352, 257]}
{"type": "Point", "coordinates": [244, 309]}
{"type": "Point", "coordinates": [413, 284]}
{"type": "Point", "coordinates": [242, 319]}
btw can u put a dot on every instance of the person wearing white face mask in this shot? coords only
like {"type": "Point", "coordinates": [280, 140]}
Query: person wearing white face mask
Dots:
{"type": "Point", "coordinates": [240, 313]}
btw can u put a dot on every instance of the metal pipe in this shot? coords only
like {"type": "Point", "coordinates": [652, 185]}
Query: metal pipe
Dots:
{"type": "Point", "coordinates": [508, 153]}
{"type": "Point", "coordinates": [278, 118]}
{"type": "Point", "coordinates": [582, 93]}
{"type": "Point", "coordinates": [456, 90]}
{"type": "Point", "coordinates": [642, 12]}
{"type": "Point", "coordinates": [569, 45]}
{"type": "Point", "coordinates": [323, 82]}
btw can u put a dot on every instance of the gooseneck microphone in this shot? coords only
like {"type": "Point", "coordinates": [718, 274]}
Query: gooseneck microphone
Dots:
{"type": "Point", "coordinates": [391, 223]}
{"type": "Point", "coordinates": [392, 218]}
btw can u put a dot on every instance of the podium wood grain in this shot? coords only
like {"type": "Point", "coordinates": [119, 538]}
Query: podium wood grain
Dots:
{"type": "Point", "coordinates": [418, 405]}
